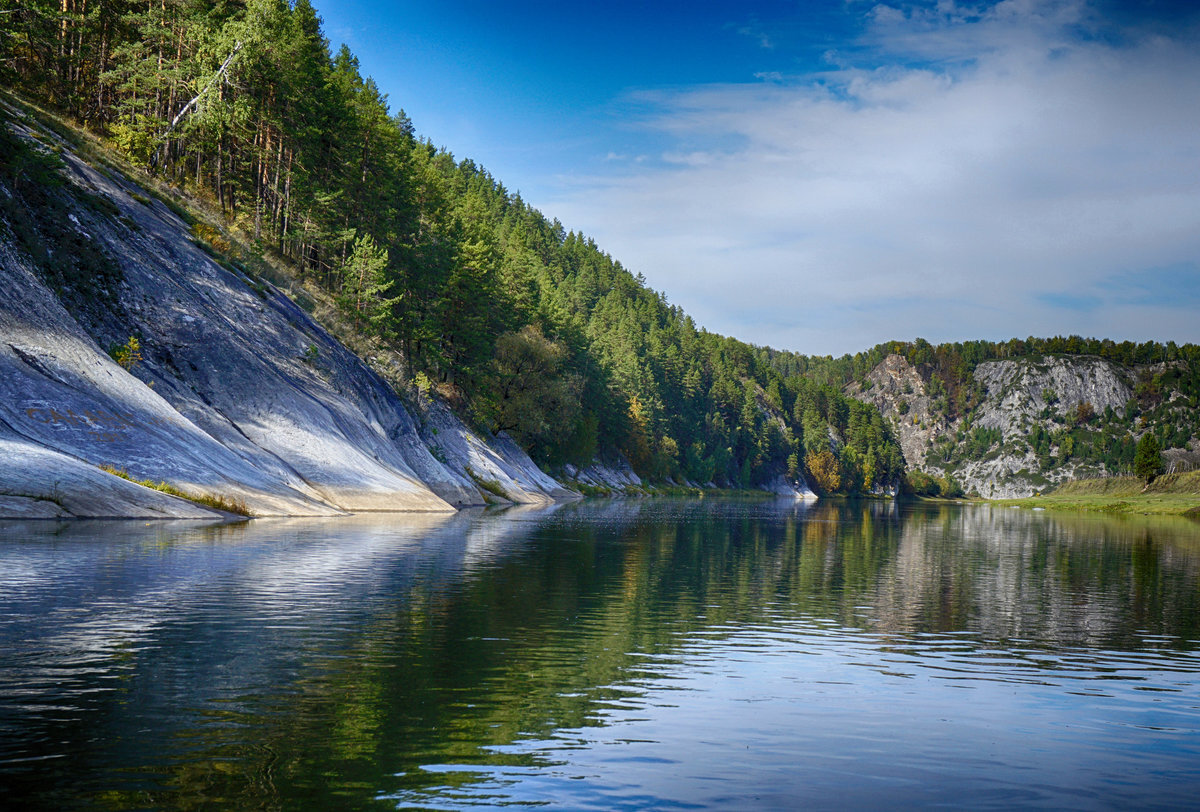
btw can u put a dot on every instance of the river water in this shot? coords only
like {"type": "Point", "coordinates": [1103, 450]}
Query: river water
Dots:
{"type": "Point", "coordinates": [639, 654]}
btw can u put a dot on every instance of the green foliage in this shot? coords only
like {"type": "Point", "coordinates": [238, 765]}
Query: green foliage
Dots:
{"type": "Point", "coordinates": [950, 488]}
{"type": "Point", "coordinates": [826, 471]}
{"type": "Point", "coordinates": [535, 399]}
{"type": "Point", "coordinates": [1147, 461]}
{"type": "Point", "coordinates": [134, 135]}
{"type": "Point", "coordinates": [545, 335]}
{"type": "Point", "coordinates": [488, 486]}
{"type": "Point", "coordinates": [920, 483]}
{"type": "Point", "coordinates": [365, 286]}
{"type": "Point", "coordinates": [422, 384]}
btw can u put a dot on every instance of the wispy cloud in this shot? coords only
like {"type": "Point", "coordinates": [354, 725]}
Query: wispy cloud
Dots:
{"type": "Point", "coordinates": [957, 172]}
{"type": "Point", "coordinates": [755, 31]}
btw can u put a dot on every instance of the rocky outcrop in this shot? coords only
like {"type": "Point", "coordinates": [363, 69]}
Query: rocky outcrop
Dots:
{"type": "Point", "coordinates": [41, 483]}
{"type": "Point", "coordinates": [470, 465]}
{"type": "Point", "coordinates": [239, 393]}
{"type": "Point", "coordinates": [898, 391]}
{"type": "Point", "coordinates": [616, 475]}
{"type": "Point", "coordinates": [782, 486]}
{"type": "Point", "coordinates": [1016, 392]}
{"type": "Point", "coordinates": [1014, 397]}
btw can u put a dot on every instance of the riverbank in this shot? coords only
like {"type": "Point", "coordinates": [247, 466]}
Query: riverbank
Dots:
{"type": "Point", "coordinates": [1170, 494]}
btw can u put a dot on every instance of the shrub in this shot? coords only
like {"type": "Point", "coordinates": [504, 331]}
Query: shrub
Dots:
{"type": "Point", "coordinates": [949, 488]}
{"type": "Point", "coordinates": [128, 355]}
{"type": "Point", "coordinates": [491, 486]}
{"type": "Point", "coordinates": [213, 238]}
{"type": "Point", "coordinates": [922, 484]}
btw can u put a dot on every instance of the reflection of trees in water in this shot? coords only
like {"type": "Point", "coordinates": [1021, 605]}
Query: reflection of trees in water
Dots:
{"type": "Point", "coordinates": [560, 628]}
{"type": "Point", "coordinates": [426, 642]}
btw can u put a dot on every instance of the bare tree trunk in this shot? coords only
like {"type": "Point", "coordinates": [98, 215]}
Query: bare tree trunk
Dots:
{"type": "Point", "coordinates": [220, 159]}
{"type": "Point", "coordinates": [187, 107]}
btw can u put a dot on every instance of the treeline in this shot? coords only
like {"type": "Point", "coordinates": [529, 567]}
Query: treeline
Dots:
{"type": "Point", "coordinates": [949, 367]}
{"type": "Point", "coordinates": [525, 326]}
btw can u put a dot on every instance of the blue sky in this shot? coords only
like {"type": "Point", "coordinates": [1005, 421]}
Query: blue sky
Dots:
{"type": "Point", "coordinates": [823, 176]}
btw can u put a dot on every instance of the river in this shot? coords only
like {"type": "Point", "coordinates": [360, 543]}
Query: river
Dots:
{"type": "Point", "coordinates": [635, 654]}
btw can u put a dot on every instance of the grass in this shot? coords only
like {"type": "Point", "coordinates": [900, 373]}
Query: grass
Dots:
{"type": "Point", "coordinates": [226, 504]}
{"type": "Point", "coordinates": [1169, 494]}
{"type": "Point", "coordinates": [491, 486]}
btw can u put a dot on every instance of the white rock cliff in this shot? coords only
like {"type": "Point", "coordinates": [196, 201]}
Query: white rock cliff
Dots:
{"type": "Point", "coordinates": [240, 394]}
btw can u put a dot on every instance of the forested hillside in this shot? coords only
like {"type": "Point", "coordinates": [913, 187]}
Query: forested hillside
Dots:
{"type": "Point", "coordinates": [523, 325]}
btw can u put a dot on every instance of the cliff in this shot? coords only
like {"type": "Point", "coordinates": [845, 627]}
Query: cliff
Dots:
{"type": "Point", "coordinates": [1030, 423]}
{"type": "Point", "coordinates": [238, 393]}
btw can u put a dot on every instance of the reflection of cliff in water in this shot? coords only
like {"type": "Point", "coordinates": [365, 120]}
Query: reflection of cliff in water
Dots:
{"type": "Point", "coordinates": [995, 572]}
{"type": "Point", "coordinates": [108, 590]}
{"type": "Point", "coordinates": [1009, 574]}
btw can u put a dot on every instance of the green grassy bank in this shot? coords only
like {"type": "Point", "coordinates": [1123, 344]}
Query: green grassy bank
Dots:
{"type": "Point", "coordinates": [1177, 494]}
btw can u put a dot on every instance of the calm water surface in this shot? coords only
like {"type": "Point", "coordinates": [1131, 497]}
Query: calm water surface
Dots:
{"type": "Point", "coordinates": [608, 655]}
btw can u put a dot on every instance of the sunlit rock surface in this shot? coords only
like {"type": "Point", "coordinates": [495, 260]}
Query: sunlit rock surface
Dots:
{"type": "Point", "coordinates": [239, 394]}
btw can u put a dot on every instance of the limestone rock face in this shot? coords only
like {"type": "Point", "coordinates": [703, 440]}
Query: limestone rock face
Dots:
{"type": "Point", "coordinates": [1014, 397]}
{"type": "Point", "coordinates": [467, 461]}
{"type": "Point", "coordinates": [239, 393]}
{"type": "Point", "coordinates": [614, 475]}
{"type": "Point", "coordinates": [797, 489]}
{"type": "Point", "coordinates": [898, 391]}
{"type": "Point", "coordinates": [1016, 391]}
{"type": "Point", "coordinates": [40, 483]}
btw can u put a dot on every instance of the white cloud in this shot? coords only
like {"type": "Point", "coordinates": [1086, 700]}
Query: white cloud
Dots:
{"type": "Point", "coordinates": [880, 200]}
{"type": "Point", "coordinates": [755, 31]}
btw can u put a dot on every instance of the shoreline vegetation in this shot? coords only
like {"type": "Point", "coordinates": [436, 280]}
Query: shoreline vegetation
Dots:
{"type": "Point", "coordinates": [231, 505]}
{"type": "Point", "coordinates": [1168, 494]}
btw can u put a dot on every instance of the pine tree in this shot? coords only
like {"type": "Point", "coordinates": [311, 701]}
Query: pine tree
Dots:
{"type": "Point", "coordinates": [1147, 460]}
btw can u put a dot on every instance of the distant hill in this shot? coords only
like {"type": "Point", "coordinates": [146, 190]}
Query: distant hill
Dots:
{"type": "Point", "coordinates": [1012, 426]}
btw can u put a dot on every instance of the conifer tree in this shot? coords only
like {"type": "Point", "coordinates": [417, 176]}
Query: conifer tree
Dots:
{"type": "Point", "coordinates": [1147, 460]}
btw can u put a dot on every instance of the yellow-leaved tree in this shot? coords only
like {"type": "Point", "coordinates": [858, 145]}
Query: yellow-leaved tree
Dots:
{"type": "Point", "coordinates": [826, 471]}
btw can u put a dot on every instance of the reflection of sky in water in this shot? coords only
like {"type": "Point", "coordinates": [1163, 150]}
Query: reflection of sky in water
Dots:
{"type": "Point", "coordinates": [642, 653]}
{"type": "Point", "coordinates": [801, 712]}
